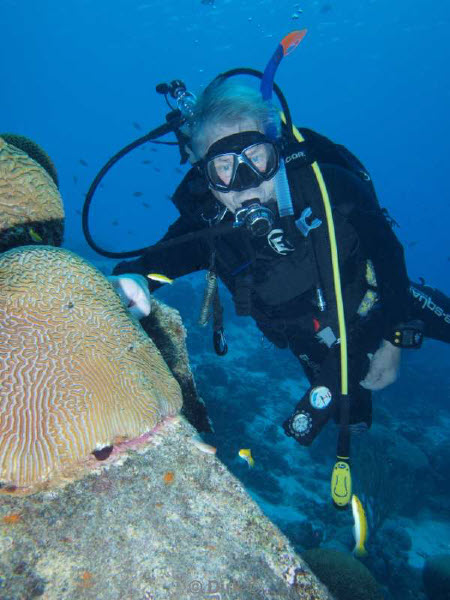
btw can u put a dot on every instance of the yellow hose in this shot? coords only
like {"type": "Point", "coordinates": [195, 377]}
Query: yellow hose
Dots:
{"type": "Point", "coordinates": [335, 265]}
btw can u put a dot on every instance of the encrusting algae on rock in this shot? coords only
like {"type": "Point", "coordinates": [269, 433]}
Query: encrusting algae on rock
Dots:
{"type": "Point", "coordinates": [77, 373]}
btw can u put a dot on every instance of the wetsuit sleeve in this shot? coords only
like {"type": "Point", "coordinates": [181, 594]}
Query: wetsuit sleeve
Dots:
{"type": "Point", "coordinates": [178, 259]}
{"type": "Point", "coordinates": [356, 199]}
{"type": "Point", "coordinates": [172, 261]}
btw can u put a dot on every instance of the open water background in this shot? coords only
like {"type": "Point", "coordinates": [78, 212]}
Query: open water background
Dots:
{"type": "Point", "coordinates": [79, 78]}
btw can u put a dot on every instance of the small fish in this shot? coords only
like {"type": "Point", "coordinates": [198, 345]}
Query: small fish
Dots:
{"type": "Point", "coordinates": [203, 447]}
{"type": "Point", "coordinates": [137, 125]}
{"type": "Point", "coordinates": [157, 169]}
{"type": "Point", "coordinates": [412, 244]}
{"type": "Point", "coordinates": [159, 277]}
{"type": "Point", "coordinates": [75, 179]}
{"type": "Point", "coordinates": [34, 236]}
{"type": "Point", "coordinates": [178, 170]}
{"type": "Point", "coordinates": [146, 162]}
{"type": "Point", "coordinates": [83, 162]}
{"type": "Point", "coordinates": [246, 454]}
{"type": "Point", "coordinates": [326, 8]}
{"type": "Point", "coordinates": [137, 194]}
{"type": "Point", "coordinates": [115, 222]}
{"type": "Point", "coordinates": [360, 529]}
{"type": "Point", "coordinates": [146, 205]}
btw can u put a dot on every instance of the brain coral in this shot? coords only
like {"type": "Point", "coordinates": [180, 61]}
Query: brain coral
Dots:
{"type": "Point", "coordinates": [30, 202]}
{"type": "Point", "coordinates": [34, 151]}
{"type": "Point", "coordinates": [346, 577]}
{"type": "Point", "coordinates": [77, 372]}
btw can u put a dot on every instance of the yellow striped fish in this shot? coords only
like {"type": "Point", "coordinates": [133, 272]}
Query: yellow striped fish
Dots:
{"type": "Point", "coordinates": [34, 236]}
{"type": "Point", "coordinates": [159, 277]}
{"type": "Point", "coordinates": [246, 454]}
{"type": "Point", "coordinates": [360, 529]}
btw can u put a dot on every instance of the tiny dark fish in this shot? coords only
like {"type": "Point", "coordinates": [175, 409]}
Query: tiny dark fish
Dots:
{"type": "Point", "coordinates": [83, 162]}
{"type": "Point", "coordinates": [137, 194]}
{"type": "Point", "coordinates": [78, 211]}
{"type": "Point", "coordinates": [178, 170]}
{"type": "Point", "coordinates": [154, 149]}
{"type": "Point", "coordinates": [115, 222]}
{"type": "Point", "coordinates": [75, 178]}
{"type": "Point", "coordinates": [412, 244]}
{"type": "Point", "coordinates": [146, 162]}
{"type": "Point", "coordinates": [210, 2]}
{"type": "Point", "coordinates": [157, 169]}
{"type": "Point", "coordinates": [137, 126]}
{"type": "Point", "coordinates": [101, 185]}
{"type": "Point", "coordinates": [145, 205]}
{"type": "Point", "coordinates": [130, 232]}
{"type": "Point", "coordinates": [326, 8]}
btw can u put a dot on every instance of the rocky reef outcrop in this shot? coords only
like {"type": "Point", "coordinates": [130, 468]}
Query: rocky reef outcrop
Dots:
{"type": "Point", "coordinates": [167, 521]}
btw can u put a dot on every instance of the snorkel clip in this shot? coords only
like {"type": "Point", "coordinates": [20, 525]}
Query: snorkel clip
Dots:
{"type": "Point", "coordinates": [303, 226]}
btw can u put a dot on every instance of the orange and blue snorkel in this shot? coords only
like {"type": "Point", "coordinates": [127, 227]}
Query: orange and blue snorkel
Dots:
{"type": "Point", "coordinates": [285, 47]}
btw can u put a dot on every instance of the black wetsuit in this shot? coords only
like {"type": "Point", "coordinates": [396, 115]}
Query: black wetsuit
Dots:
{"type": "Point", "coordinates": [274, 279]}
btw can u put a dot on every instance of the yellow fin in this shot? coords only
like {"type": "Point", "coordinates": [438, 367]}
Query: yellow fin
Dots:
{"type": "Point", "coordinates": [246, 454]}
{"type": "Point", "coordinates": [360, 551]}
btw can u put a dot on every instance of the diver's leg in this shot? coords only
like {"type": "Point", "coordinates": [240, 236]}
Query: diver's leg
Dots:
{"type": "Point", "coordinates": [363, 341]}
{"type": "Point", "coordinates": [433, 308]}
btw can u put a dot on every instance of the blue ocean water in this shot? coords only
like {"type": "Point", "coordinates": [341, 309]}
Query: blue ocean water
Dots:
{"type": "Point", "coordinates": [79, 78]}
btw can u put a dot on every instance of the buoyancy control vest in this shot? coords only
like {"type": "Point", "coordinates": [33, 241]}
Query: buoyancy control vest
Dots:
{"type": "Point", "coordinates": [309, 207]}
{"type": "Point", "coordinates": [244, 266]}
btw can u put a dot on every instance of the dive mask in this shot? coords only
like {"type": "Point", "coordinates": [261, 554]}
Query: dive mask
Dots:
{"type": "Point", "coordinates": [240, 162]}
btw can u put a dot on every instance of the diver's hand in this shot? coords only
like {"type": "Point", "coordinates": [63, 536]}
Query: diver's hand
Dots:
{"type": "Point", "coordinates": [134, 293]}
{"type": "Point", "coordinates": [384, 366]}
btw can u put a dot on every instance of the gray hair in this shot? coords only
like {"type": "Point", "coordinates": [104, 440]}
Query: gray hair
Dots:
{"type": "Point", "coordinates": [225, 102]}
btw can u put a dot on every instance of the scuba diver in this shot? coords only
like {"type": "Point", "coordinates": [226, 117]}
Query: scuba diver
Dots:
{"type": "Point", "coordinates": [274, 275]}
{"type": "Point", "coordinates": [290, 223]}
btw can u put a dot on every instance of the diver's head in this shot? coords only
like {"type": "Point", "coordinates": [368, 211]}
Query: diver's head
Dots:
{"type": "Point", "coordinates": [229, 145]}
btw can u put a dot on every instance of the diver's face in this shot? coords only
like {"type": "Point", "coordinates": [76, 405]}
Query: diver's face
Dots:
{"type": "Point", "coordinates": [264, 192]}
